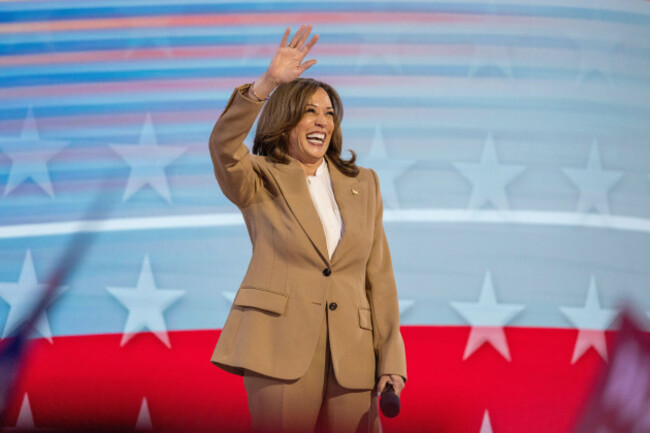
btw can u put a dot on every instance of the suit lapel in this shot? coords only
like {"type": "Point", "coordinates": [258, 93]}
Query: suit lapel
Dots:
{"type": "Point", "coordinates": [350, 198]}
{"type": "Point", "coordinates": [293, 184]}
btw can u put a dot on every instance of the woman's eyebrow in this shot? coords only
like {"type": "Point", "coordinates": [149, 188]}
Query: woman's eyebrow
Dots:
{"type": "Point", "coordinates": [314, 105]}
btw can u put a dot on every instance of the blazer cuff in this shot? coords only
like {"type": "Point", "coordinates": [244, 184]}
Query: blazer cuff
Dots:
{"type": "Point", "coordinates": [396, 374]}
{"type": "Point", "coordinates": [243, 91]}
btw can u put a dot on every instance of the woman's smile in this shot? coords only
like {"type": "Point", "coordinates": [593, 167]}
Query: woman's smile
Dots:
{"type": "Point", "coordinates": [310, 138]}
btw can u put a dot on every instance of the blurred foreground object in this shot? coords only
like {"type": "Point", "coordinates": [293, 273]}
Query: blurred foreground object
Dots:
{"type": "Point", "coordinates": [621, 400]}
{"type": "Point", "coordinates": [11, 354]}
{"type": "Point", "coordinates": [13, 349]}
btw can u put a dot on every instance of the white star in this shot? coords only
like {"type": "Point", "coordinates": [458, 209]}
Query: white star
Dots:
{"type": "Point", "coordinates": [372, 57]}
{"type": "Point", "coordinates": [490, 61]}
{"type": "Point", "coordinates": [388, 169]}
{"type": "Point", "coordinates": [591, 322]}
{"type": "Point", "coordinates": [595, 61]}
{"type": "Point", "coordinates": [489, 178]}
{"type": "Point", "coordinates": [486, 427]}
{"type": "Point", "coordinates": [22, 298]}
{"type": "Point", "coordinates": [138, 41]}
{"type": "Point", "coordinates": [146, 304]}
{"type": "Point", "coordinates": [25, 417]}
{"type": "Point", "coordinates": [230, 296]}
{"type": "Point", "coordinates": [487, 318]}
{"type": "Point", "coordinates": [593, 182]}
{"type": "Point", "coordinates": [405, 305]}
{"type": "Point", "coordinates": [29, 155]}
{"type": "Point", "coordinates": [148, 161]}
{"type": "Point", "coordinates": [144, 417]}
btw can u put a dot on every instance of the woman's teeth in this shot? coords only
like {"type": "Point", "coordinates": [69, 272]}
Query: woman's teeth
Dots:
{"type": "Point", "coordinates": [316, 139]}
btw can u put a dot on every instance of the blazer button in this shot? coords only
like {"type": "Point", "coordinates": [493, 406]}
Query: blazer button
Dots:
{"type": "Point", "coordinates": [333, 306]}
{"type": "Point", "coordinates": [327, 272]}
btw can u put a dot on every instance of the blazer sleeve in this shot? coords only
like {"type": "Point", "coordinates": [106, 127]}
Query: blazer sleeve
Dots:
{"type": "Point", "coordinates": [382, 294]}
{"type": "Point", "coordinates": [231, 158]}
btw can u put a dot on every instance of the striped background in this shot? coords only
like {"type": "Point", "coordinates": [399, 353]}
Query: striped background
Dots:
{"type": "Point", "coordinates": [552, 90]}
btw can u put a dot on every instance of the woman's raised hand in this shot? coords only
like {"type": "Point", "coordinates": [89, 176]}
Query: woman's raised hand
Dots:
{"type": "Point", "coordinates": [287, 63]}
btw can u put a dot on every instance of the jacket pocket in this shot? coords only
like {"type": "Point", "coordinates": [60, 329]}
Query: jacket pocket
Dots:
{"type": "Point", "coordinates": [261, 299]}
{"type": "Point", "coordinates": [365, 319]}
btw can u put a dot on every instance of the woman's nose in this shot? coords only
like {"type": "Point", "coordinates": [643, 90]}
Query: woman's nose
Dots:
{"type": "Point", "coordinates": [321, 120]}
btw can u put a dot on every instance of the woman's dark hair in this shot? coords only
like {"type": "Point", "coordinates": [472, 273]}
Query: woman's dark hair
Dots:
{"type": "Point", "coordinates": [283, 111]}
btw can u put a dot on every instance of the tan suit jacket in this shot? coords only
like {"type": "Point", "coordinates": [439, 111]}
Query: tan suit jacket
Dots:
{"type": "Point", "coordinates": [274, 323]}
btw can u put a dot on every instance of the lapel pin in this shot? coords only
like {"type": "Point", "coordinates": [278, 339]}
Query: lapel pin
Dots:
{"type": "Point", "coordinates": [355, 192]}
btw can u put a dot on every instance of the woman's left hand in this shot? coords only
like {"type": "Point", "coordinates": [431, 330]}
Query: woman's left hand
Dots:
{"type": "Point", "coordinates": [394, 379]}
{"type": "Point", "coordinates": [287, 62]}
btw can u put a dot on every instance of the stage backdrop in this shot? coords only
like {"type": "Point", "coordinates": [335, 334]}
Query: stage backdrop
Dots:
{"type": "Point", "coordinates": [511, 139]}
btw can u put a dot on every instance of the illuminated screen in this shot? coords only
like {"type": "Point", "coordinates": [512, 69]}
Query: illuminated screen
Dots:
{"type": "Point", "coordinates": [511, 140]}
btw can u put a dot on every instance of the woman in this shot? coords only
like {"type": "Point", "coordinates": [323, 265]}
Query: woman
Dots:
{"type": "Point", "coordinates": [315, 324]}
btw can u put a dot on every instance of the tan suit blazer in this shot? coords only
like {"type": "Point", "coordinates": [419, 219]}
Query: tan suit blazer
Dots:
{"type": "Point", "coordinates": [274, 323]}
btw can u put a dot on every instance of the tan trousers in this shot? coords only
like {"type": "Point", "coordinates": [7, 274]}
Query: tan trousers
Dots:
{"type": "Point", "coordinates": [315, 402]}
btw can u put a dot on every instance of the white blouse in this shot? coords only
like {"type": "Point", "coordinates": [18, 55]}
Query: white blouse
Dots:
{"type": "Point", "coordinates": [322, 194]}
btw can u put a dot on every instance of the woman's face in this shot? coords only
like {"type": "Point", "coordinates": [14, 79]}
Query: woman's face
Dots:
{"type": "Point", "coordinates": [310, 138]}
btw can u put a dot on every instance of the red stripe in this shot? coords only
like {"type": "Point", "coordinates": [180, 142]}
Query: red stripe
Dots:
{"type": "Point", "coordinates": [236, 51]}
{"type": "Point", "coordinates": [338, 18]}
{"type": "Point", "coordinates": [195, 84]}
{"type": "Point", "coordinates": [92, 381]}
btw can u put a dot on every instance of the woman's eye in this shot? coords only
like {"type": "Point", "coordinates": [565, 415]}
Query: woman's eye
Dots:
{"type": "Point", "coordinates": [330, 113]}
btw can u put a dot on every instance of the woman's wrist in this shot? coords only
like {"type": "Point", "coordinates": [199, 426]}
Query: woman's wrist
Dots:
{"type": "Point", "coordinates": [262, 88]}
{"type": "Point", "coordinates": [252, 94]}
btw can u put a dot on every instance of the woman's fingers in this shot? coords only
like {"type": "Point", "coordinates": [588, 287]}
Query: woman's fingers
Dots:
{"type": "Point", "coordinates": [298, 40]}
{"type": "Point", "coordinates": [397, 382]}
{"type": "Point", "coordinates": [295, 41]}
{"type": "Point", "coordinates": [303, 37]}
{"type": "Point", "coordinates": [381, 384]}
{"type": "Point", "coordinates": [310, 44]}
{"type": "Point", "coordinates": [287, 62]}
{"type": "Point", "coordinates": [308, 64]}
{"type": "Point", "coordinates": [285, 37]}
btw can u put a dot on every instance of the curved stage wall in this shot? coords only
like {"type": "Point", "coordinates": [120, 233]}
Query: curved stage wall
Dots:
{"type": "Point", "coordinates": [512, 144]}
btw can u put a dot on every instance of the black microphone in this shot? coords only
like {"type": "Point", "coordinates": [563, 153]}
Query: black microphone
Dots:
{"type": "Point", "coordinates": [389, 402]}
